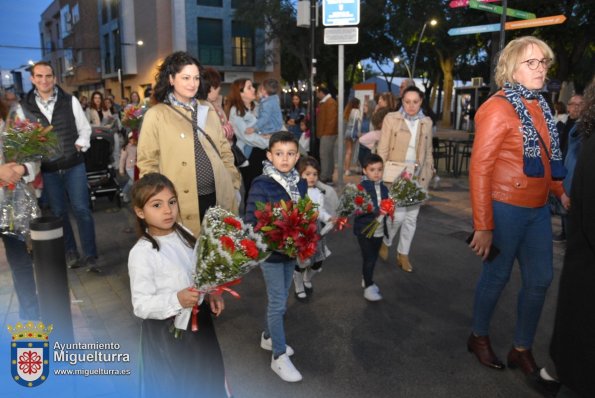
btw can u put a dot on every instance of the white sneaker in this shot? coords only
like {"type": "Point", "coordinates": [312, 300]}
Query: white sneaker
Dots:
{"type": "Point", "coordinates": [285, 369]}
{"type": "Point", "coordinates": [375, 286]}
{"type": "Point", "coordinates": [267, 344]}
{"type": "Point", "coordinates": [372, 293]}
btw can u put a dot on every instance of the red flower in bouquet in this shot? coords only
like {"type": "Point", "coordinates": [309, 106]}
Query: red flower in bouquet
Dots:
{"type": "Point", "coordinates": [233, 222]}
{"type": "Point", "coordinates": [354, 201]}
{"type": "Point", "coordinates": [250, 248]}
{"type": "Point", "coordinates": [227, 244]}
{"type": "Point", "coordinates": [24, 141]}
{"type": "Point", "coordinates": [132, 117]}
{"type": "Point", "coordinates": [359, 200]}
{"type": "Point", "coordinates": [289, 227]}
{"type": "Point", "coordinates": [387, 208]}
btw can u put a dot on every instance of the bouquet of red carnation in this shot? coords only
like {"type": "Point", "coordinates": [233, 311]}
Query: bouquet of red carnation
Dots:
{"type": "Point", "coordinates": [226, 250]}
{"type": "Point", "coordinates": [387, 208]}
{"type": "Point", "coordinates": [406, 190]}
{"type": "Point", "coordinates": [354, 201]}
{"type": "Point", "coordinates": [132, 117]}
{"type": "Point", "coordinates": [288, 227]}
{"type": "Point", "coordinates": [25, 141]}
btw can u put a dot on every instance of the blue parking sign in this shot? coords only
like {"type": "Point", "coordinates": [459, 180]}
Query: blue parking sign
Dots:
{"type": "Point", "coordinates": [340, 12]}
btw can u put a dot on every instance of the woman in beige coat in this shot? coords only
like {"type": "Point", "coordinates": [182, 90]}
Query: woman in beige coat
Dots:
{"type": "Point", "coordinates": [199, 160]}
{"type": "Point", "coordinates": [407, 137]}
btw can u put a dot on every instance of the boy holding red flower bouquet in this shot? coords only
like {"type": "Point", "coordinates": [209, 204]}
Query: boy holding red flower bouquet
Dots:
{"type": "Point", "coordinates": [370, 245]}
{"type": "Point", "coordinates": [279, 183]}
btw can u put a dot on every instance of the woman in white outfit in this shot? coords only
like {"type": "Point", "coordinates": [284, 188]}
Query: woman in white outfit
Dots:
{"type": "Point", "coordinates": [407, 137]}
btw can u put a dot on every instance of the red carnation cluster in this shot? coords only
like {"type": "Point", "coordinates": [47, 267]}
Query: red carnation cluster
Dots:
{"type": "Point", "coordinates": [354, 201]}
{"type": "Point", "coordinates": [288, 227]}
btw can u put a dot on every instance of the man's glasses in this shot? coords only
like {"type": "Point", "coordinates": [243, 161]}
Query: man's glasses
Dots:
{"type": "Point", "coordinates": [533, 63]}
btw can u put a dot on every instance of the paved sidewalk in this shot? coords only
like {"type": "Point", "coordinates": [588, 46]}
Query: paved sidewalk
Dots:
{"type": "Point", "coordinates": [412, 344]}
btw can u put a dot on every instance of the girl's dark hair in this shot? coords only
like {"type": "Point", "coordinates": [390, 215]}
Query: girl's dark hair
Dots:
{"type": "Point", "coordinates": [171, 66]}
{"type": "Point", "coordinates": [142, 191]}
{"type": "Point", "coordinates": [587, 116]}
{"type": "Point", "coordinates": [371, 159]}
{"type": "Point", "coordinates": [378, 117]}
{"type": "Point", "coordinates": [234, 98]}
{"type": "Point", "coordinates": [306, 161]}
{"type": "Point", "coordinates": [291, 106]}
{"type": "Point", "coordinates": [352, 104]}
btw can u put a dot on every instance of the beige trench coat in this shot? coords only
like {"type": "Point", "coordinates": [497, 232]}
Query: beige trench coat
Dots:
{"type": "Point", "coordinates": [394, 141]}
{"type": "Point", "coordinates": [166, 145]}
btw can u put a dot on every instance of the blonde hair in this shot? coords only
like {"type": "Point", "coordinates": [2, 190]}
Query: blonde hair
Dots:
{"type": "Point", "coordinates": [510, 57]}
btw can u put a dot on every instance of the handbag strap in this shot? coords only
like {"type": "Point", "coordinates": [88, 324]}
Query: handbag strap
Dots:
{"type": "Point", "coordinates": [196, 127]}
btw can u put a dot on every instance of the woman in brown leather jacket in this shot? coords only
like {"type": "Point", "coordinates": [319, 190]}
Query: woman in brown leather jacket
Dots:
{"type": "Point", "coordinates": [516, 162]}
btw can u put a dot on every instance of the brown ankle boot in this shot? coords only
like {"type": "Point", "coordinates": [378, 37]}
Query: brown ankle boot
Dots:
{"type": "Point", "coordinates": [383, 252]}
{"type": "Point", "coordinates": [481, 347]}
{"type": "Point", "coordinates": [403, 262]}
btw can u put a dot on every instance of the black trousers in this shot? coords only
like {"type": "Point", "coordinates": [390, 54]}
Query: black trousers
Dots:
{"type": "Point", "coordinates": [369, 248]}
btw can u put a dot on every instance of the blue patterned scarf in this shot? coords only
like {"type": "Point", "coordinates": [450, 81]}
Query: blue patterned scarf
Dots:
{"type": "Point", "coordinates": [418, 115]}
{"type": "Point", "coordinates": [289, 181]}
{"type": "Point", "coordinates": [532, 164]}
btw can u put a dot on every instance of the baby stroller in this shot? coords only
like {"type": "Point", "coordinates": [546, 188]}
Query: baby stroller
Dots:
{"type": "Point", "coordinates": [101, 174]}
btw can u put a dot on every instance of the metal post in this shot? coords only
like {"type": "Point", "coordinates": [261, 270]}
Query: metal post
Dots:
{"type": "Point", "coordinates": [421, 35]}
{"type": "Point", "coordinates": [503, 25]}
{"type": "Point", "coordinates": [313, 138]}
{"type": "Point", "coordinates": [340, 102]}
{"type": "Point", "coordinates": [50, 274]}
{"type": "Point", "coordinates": [121, 79]}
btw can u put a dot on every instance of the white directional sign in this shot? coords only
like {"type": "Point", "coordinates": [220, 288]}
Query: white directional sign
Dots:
{"type": "Point", "coordinates": [340, 12]}
{"type": "Point", "coordinates": [341, 35]}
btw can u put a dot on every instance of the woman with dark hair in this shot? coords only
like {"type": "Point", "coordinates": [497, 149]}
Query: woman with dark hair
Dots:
{"type": "Point", "coordinates": [181, 137]}
{"type": "Point", "coordinates": [295, 115]}
{"type": "Point", "coordinates": [241, 114]}
{"type": "Point", "coordinates": [516, 162]}
{"type": "Point", "coordinates": [353, 119]}
{"type": "Point", "coordinates": [95, 109]}
{"type": "Point", "coordinates": [210, 91]}
{"type": "Point", "coordinates": [407, 137]}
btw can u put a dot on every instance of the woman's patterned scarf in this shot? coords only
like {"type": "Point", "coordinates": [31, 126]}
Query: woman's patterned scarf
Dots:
{"type": "Point", "coordinates": [532, 164]}
{"type": "Point", "coordinates": [191, 106]}
{"type": "Point", "coordinates": [417, 116]}
{"type": "Point", "coordinates": [289, 181]}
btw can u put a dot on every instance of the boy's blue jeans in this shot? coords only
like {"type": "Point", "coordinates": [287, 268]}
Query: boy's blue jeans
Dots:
{"type": "Point", "coordinates": [524, 234]}
{"type": "Point", "coordinates": [278, 278]}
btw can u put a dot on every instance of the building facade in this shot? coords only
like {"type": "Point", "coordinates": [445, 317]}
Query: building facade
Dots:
{"type": "Point", "coordinates": [116, 46]}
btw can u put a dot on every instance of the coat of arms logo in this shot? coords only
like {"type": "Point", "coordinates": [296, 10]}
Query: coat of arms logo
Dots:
{"type": "Point", "coordinates": [29, 353]}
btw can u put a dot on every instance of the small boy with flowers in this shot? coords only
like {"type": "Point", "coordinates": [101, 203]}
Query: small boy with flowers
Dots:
{"type": "Point", "coordinates": [279, 181]}
{"type": "Point", "coordinates": [370, 246]}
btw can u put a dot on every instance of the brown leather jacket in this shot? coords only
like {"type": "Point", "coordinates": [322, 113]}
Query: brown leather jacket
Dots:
{"type": "Point", "coordinates": [497, 161]}
{"type": "Point", "coordinates": [326, 118]}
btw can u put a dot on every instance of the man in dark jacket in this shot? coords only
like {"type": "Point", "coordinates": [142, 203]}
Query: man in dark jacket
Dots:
{"type": "Point", "coordinates": [64, 178]}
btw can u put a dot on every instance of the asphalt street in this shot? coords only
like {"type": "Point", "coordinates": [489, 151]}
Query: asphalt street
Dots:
{"type": "Point", "coordinates": [411, 344]}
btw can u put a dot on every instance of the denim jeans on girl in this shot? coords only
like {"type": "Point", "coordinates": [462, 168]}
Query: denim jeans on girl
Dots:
{"type": "Point", "coordinates": [524, 234]}
{"type": "Point", "coordinates": [64, 187]}
{"type": "Point", "coordinates": [278, 278]}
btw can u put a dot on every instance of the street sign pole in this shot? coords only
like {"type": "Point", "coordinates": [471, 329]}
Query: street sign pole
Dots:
{"type": "Point", "coordinates": [503, 24]}
{"type": "Point", "coordinates": [340, 100]}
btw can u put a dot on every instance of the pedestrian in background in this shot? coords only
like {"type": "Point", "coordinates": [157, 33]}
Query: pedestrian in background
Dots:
{"type": "Point", "coordinates": [510, 177]}
{"type": "Point", "coordinates": [65, 178]}
{"type": "Point", "coordinates": [352, 117]}
{"type": "Point", "coordinates": [326, 131]}
{"type": "Point", "coordinates": [295, 115]}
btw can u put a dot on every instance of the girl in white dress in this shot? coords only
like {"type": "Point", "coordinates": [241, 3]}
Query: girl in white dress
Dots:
{"type": "Point", "coordinates": [161, 283]}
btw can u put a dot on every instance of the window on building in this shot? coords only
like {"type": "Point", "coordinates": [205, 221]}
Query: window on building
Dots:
{"type": "Point", "coordinates": [107, 60]}
{"type": "Point", "coordinates": [210, 41]}
{"type": "Point", "coordinates": [209, 3]}
{"type": "Point", "coordinates": [242, 44]}
{"type": "Point", "coordinates": [75, 14]}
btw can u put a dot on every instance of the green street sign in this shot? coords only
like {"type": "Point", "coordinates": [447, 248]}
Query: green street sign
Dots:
{"type": "Point", "coordinates": [511, 12]}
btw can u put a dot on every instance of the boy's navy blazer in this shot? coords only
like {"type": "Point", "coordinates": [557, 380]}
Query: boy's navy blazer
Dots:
{"type": "Point", "coordinates": [267, 190]}
{"type": "Point", "coordinates": [361, 222]}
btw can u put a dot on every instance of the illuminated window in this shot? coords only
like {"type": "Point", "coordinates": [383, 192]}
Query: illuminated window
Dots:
{"type": "Point", "coordinates": [242, 44]}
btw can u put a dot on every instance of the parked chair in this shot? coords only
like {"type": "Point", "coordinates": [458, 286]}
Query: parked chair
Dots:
{"type": "Point", "coordinates": [440, 150]}
{"type": "Point", "coordinates": [464, 155]}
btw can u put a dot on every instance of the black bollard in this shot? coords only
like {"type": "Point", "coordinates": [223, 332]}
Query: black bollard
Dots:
{"type": "Point", "coordinates": [49, 262]}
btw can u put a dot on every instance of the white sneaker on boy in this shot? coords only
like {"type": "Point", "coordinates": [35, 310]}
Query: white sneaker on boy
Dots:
{"type": "Point", "coordinates": [372, 293]}
{"type": "Point", "coordinates": [267, 344]}
{"type": "Point", "coordinates": [285, 369]}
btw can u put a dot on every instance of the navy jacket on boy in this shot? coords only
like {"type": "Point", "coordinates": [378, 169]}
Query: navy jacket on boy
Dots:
{"type": "Point", "coordinates": [361, 222]}
{"type": "Point", "coordinates": [265, 189]}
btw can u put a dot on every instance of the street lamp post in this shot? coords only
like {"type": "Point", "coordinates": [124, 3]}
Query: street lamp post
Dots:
{"type": "Point", "coordinates": [121, 63]}
{"type": "Point", "coordinates": [363, 69]}
{"type": "Point", "coordinates": [433, 22]}
{"type": "Point", "coordinates": [396, 60]}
